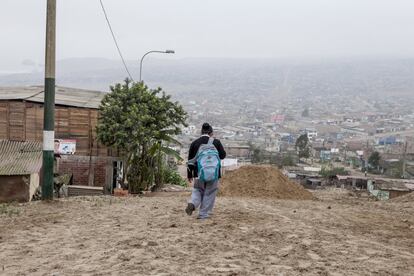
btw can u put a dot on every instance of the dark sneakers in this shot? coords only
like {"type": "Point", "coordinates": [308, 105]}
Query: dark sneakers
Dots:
{"type": "Point", "coordinates": [190, 209]}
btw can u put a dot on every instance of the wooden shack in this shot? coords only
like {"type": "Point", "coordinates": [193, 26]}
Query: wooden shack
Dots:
{"type": "Point", "coordinates": [384, 188]}
{"type": "Point", "coordinates": [76, 114]}
{"type": "Point", "coordinates": [20, 165]}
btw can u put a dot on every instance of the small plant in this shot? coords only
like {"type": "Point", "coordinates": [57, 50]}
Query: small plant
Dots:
{"type": "Point", "coordinates": [288, 160]}
{"type": "Point", "coordinates": [8, 210]}
{"type": "Point", "coordinates": [173, 177]}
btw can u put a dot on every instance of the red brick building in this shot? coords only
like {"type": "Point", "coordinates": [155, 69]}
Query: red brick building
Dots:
{"type": "Point", "coordinates": [76, 114]}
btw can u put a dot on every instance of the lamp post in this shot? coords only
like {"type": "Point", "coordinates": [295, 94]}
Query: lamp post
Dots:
{"type": "Point", "coordinates": [161, 52]}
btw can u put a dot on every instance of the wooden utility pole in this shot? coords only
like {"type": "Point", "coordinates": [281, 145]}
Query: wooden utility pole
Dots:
{"type": "Point", "coordinates": [49, 102]}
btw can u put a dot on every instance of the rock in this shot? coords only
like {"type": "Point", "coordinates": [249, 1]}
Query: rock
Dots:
{"type": "Point", "coordinates": [329, 207]}
{"type": "Point", "coordinates": [123, 257]}
{"type": "Point", "coordinates": [173, 188]}
{"type": "Point", "coordinates": [152, 243]}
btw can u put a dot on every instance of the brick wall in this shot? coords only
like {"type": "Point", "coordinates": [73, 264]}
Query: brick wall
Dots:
{"type": "Point", "coordinates": [79, 166]}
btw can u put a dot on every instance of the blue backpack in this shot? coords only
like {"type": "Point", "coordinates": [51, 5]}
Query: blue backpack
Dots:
{"type": "Point", "coordinates": [208, 162]}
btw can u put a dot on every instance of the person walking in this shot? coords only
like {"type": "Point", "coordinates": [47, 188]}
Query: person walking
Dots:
{"type": "Point", "coordinates": [204, 163]}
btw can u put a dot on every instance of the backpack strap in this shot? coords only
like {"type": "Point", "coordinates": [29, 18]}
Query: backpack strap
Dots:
{"type": "Point", "coordinates": [210, 141]}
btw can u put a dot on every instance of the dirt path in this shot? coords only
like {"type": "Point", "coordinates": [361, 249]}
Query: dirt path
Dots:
{"type": "Point", "coordinates": [152, 236]}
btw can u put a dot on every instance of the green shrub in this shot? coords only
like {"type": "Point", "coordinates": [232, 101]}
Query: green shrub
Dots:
{"type": "Point", "coordinates": [173, 177]}
{"type": "Point", "coordinates": [326, 172]}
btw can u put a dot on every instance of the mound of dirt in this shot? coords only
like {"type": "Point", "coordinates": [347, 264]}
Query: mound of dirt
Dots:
{"type": "Point", "coordinates": [405, 198]}
{"type": "Point", "coordinates": [261, 181]}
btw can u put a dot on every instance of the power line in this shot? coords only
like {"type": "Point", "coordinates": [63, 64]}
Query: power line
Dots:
{"type": "Point", "coordinates": [116, 43]}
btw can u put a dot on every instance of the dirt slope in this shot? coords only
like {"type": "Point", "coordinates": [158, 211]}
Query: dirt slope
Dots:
{"type": "Point", "coordinates": [245, 236]}
{"type": "Point", "coordinates": [261, 181]}
{"type": "Point", "coordinates": [405, 198]}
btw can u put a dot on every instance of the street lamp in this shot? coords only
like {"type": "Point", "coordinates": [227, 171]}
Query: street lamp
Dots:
{"type": "Point", "coordinates": [161, 52]}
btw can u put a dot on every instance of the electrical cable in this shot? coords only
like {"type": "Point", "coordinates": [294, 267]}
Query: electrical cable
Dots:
{"type": "Point", "coordinates": [116, 43]}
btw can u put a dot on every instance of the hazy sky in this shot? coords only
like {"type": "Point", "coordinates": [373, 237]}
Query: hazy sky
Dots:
{"type": "Point", "coordinates": [210, 28]}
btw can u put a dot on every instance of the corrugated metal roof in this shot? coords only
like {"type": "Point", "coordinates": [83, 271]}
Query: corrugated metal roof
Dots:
{"type": "Point", "coordinates": [391, 186]}
{"type": "Point", "coordinates": [409, 186]}
{"type": "Point", "coordinates": [64, 95]}
{"type": "Point", "coordinates": [20, 158]}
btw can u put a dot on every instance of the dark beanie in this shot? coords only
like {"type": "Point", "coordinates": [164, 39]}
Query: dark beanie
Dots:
{"type": "Point", "coordinates": [206, 129]}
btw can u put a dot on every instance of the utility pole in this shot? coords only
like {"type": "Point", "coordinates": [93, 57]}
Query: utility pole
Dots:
{"type": "Point", "coordinates": [404, 164]}
{"type": "Point", "coordinates": [366, 157]}
{"type": "Point", "coordinates": [49, 102]}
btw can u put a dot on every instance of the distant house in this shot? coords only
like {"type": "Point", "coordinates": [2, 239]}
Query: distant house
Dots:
{"type": "Point", "coordinates": [311, 133]}
{"type": "Point", "coordinates": [385, 189]}
{"type": "Point", "coordinates": [313, 183]}
{"type": "Point", "coordinates": [287, 137]}
{"type": "Point", "coordinates": [354, 130]}
{"type": "Point", "coordinates": [306, 176]}
{"type": "Point", "coordinates": [278, 118]}
{"type": "Point", "coordinates": [355, 145]}
{"type": "Point", "coordinates": [76, 115]}
{"type": "Point", "coordinates": [20, 165]}
{"type": "Point", "coordinates": [238, 151]}
{"type": "Point", "coordinates": [390, 140]}
{"type": "Point", "coordinates": [317, 149]}
{"type": "Point", "coordinates": [350, 181]}
{"type": "Point", "coordinates": [325, 155]}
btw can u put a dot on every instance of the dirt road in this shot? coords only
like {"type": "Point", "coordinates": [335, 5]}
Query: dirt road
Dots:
{"type": "Point", "coordinates": [336, 235]}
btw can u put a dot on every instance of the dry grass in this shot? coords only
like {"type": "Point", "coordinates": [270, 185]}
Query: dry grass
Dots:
{"type": "Point", "coordinates": [9, 209]}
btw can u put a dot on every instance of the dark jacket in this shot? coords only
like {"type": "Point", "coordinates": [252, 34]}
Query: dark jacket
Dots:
{"type": "Point", "coordinates": [192, 170]}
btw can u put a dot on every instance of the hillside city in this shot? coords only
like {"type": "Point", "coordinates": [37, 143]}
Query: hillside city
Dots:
{"type": "Point", "coordinates": [348, 109]}
{"type": "Point", "coordinates": [215, 137]}
{"type": "Point", "coordinates": [339, 129]}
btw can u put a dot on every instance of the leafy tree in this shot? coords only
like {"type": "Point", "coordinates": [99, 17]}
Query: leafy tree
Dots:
{"type": "Point", "coordinates": [329, 172]}
{"type": "Point", "coordinates": [288, 160]}
{"type": "Point", "coordinates": [302, 146]}
{"type": "Point", "coordinates": [139, 122]}
{"type": "Point", "coordinates": [374, 159]}
{"type": "Point", "coordinates": [305, 112]}
{"type": "Point", "coordinates": [257, 154]}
